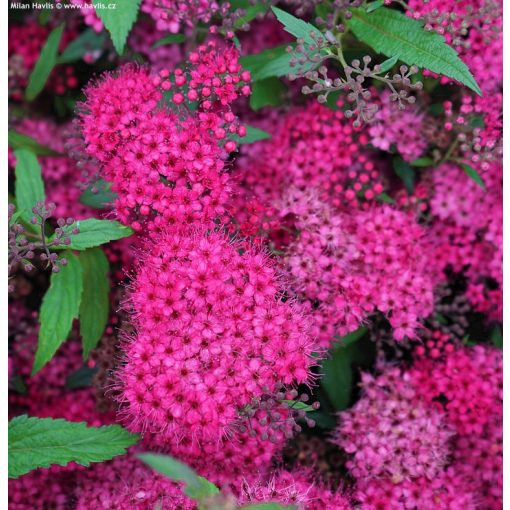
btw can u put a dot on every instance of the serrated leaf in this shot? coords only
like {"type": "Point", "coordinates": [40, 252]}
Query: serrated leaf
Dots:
{"type": "Point", "coordinates": [100, 200]}
{"type": "Point", "coordinates": [94, 232]}
{"type": "Point", "coordinates": [299, 28]}
{"type": "Point", "coordinates": [60, 306]}
{"type": "Point", "coordinates": [42, 442]}
{"type": "Point", "coordinates": [471, 172]}
{"type": "Point", "coordinates": [169, 39]}
{"type": "Point", "coordinates": [268, 92]}
{"type": "Point", "coordinates": [87, 41]}
{"type": "Point", "coordinates": [45, 64]}
{"type": "Point", "coordinates": [252, 135]}
{"type": "Point", "coordinates": [405, 172]}
{"type": "Point", "coordinates": [29, 185]}
{"type": "Point", "coordinates": [197, 487]}
{"type": "Point", "coordinates": [393, 33]}
{"type": "Point", "coordinates": [95, 305]}
{"type": "Point", "coordinates": [119, 21]}
{"type": "Point", "coordinates": [18, 141]}
{"type": "Point", "coordinates": [373, 6]}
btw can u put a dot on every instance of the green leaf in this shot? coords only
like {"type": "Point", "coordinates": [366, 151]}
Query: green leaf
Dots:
{"type": "Point", "coordinates": [301, 406]}
{"type": "Point", "coordinates": [94, 232]}
{"type": "Point", "coordinates": [257, 61]}
{"type": "Point", "coordinates": [405, 172]}
{"type": "Point", "coordinates": [119, 21]}
{"type": "Point", "coordinates": [252, 135]}
{"type": "Point", "coordinates": [42, 442]}
{"type": "Point", "coordinates": [87, 41]}
{"type": "Point", "coordinates": [94, 306]}
{"type": "Point", "coordinates": [18, 141]}
{"type": "Point", "coordinates": [471, 172]}
{"type": "Point", "coordinates": [100, 200]}
{"type": "Point", "coordinates": [268, 92]}
{"type": "Point", "coordinates": [60, 306]}
{"type": "Point", "coordinates": [393, 33]}
{"type": "Point", "coordinates": [297, 27]}
{"type": "Point", "coordinates": [338, 376]}
{"type": "Point", "coordinates": [384, 197]}
{"type": "Point", "coordinates": [45, 64]}
{"type": "Point", "coordinates": [29, 185]}
{"type": "Point", "coordinates": [81, 378]}
{"type": "Point", "coordinates": [197, 487]}
{"type": "Point", "coordinates": [169, 39]}
{"type": "Point", "coordinates": [497, 337]}
{"type": "Point", "coordinates": [373, 6]}
{"type": "Point", "coordinates": [388, 64]}
{"type": "Point", "coordinates": [422, 162]}
{"type": "Point", "coordinates": [251, 13]}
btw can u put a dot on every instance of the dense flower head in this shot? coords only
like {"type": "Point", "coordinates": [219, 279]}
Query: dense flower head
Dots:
{"type": "Point", "coordinates": [124, 484]}
{"type": "Point", "coordinates": [467, 385]}
{"type": "Point", "coordinates": [345, 261]}
{"type": "Point", "coordinates": [170, 15]}
{"type": "Point", "coordinates": [448, 491]}
{"type": "Point", "coordinates": [166, 167]}
{"type": "Point", "coordinates": [390, 434]}
{"type": "Point", "coordinates": [296, 488]}
{"type": "Point", "coordinates": [316, 147]}
{"type": "Point", "coordinates": [212, 332]}
{"type": "Point", "coordinates": [390, 128]}
{"type": "Point", "coordinates": [468, 239]}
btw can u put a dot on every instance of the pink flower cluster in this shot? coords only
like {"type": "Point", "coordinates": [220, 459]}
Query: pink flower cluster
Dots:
{"type": "Point", "coordinates": [166, 167]}
{"type": "Point", "coordinates": [352, 264]}
{"type": "Point", "coordinates": [212, 332]}
{"type": "Point", "coordinates": [390, 434]}
{"type": "Point", "coordinates": [294, 488]}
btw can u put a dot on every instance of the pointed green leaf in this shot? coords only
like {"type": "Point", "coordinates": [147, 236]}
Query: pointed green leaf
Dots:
{"type": "Point", "coordinates": [297, 27]}
{"type": "Point", "coordinates": [405, 172]}
{"type": "Point", "coordinates": [119, 21]}
{"type": "Point", "coordinates": [252, 135]}
{"type": "Point", "coordinates": [88, 41]}
{"type": "Point", "coordinates": [94, 307]}
{"type": "Point", "coordinates": [42, 442]}
{"type": "Point", "coordinates": [169, 39]}
{"type": "Point", "coordinates": [422, 162]}
{"type": "Point", "coordinates": [197, 487]}
{"type": "Point", "coordinates": [268, 92]}
{"type": "Point", "coordinates": [60, 306]}
{"type": "Point", "coordinates": [29, 185]}
{"type": "Point", "coordinates": [393, 33]}
{"type": "Point", "coordinates": [388, 64]}
{"type": "Point", "coordinates": [471, 172]}
{"type": "Point", "coordinates": [45, 64]}
{"type": "Point", "coordinates": [373, 6]}
{"type": "Point", "coordinates": [250, 14]}
{"type": "Point", "coordinates": [94, 232]}
{"type": "Point", "coordinates": [18, 141]}
{"type": "Point", "coordinates": [102, 199]}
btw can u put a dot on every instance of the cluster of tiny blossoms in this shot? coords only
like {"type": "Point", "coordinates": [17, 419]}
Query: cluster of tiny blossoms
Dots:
{"type": "Point", "coordinates": [167, 167]}
{"type": "Point", "coordinates": [212, 332]}
{"type": "Point", "coordinates": [390, 434]}
{"type": "Point", "coordinates": [348, 265]}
